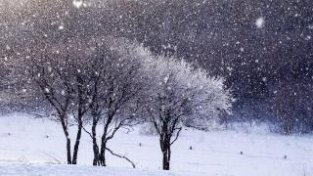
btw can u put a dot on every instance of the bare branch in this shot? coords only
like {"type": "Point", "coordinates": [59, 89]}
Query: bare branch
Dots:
{"type": "Point", "coordinates": [177, 135]}
{"type": "Point", "coordinates": [120, 156]}
{"type": "Point", "coordinates": [87, 132]}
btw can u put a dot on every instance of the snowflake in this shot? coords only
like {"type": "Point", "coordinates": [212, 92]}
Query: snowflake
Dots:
{"type": "Point", "coordinates": [308, 37]}
{"type": "Point", "coordinates": [47, 90]}
{"type": "Point", "coordinates": [61, 27]}
{"type": "Point", "coordinates": [260, 22]}
{"type": "Point", "coordinates": [77, 3]}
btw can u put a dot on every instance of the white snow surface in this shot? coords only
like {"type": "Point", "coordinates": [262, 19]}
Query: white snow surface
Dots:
{"type": "Point", "coordinates": [63, 170]}
{"type": "Point", "coordinates": [33, 147]}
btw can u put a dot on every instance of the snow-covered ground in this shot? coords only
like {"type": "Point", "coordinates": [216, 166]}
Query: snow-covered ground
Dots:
{"type": "Point", "coordinates": [63, 170]}
{"type": "Point", "coordinates": [31, 146]}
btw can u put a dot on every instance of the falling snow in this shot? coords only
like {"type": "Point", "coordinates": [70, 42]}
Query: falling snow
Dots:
{"type": "Point", "coordinates": [259, 51]}
{"type": "Point", "coordinates": [61, 27]}
{"type": "Point", "coordinates": [78, 3]}
{"type": "Point", "coordinates": [260, 22]}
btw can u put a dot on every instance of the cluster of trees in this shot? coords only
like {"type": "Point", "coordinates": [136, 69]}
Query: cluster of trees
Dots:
{"type": "Point", "coordinates": [112, 84]}
{"type": "Point", "coordinates": [268, 67]}
{"type": "Point", "coordinates": [220, 36]}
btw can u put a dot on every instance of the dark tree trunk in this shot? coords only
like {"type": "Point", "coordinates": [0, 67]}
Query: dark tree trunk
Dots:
{"type": "Point", "coordinates": [80, 114]}
{"type": "Point", "coordinates": [77, 142]}
{"type": "Point", "coordinates": [68, 150]}
{"type": "Point", "coordinates": [68, 140]}
{"type": "Point", "coordinates": [166, 162]}
{"type": "Point", "coordinates": [165, 144]}
{"type": "Point", "coordinates": [96, 159]}
{"type": "Point", "coordinates": [102, 154]}
{"type": "Point", "coordinates": [166, 151]}
{"type": "Point", "coordinates": [104, 140]}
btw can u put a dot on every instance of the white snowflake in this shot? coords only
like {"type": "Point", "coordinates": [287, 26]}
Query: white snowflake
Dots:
{"type": "Point", "coordinates": [165, 79]}
{"type": "Point", "coordinates": [308, 37]}
{"type": "Point", "coordinates": [61, 27]}
{"type": "Point", "coordinates": [260, 22]}
{"type": "Point", "coordinates": [78, 3]}
{"type": "Point", "coordinates": [264, 79]}
{"type": "Point", "coordinates": [47, 90]}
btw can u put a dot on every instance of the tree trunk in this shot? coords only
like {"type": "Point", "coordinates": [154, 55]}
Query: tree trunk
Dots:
{"type": "Point", "coordinates": [96, 159]}
{"type": "Point", "coordinates": [68, 150]}
{"type": "Point", "coordinates": [68, 140]}
{"type": "Point", "coordinates": [104, 140]}
{"type": "Point", "coordinates": [166, 162]}
{"type": "Point", "coordinates": [77, 142]}
{"type": "Point", "coordinates": [165, 144]}
{"type": "Point", "coordinates": [102, 154]}
{"type": "Point", "coordinates": [166, 150]}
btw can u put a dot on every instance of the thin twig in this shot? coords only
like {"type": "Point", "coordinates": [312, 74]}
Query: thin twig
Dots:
{"type": "Point", "coordinates": [177, 135]}
{"type": "Point", "coordinates": [123, 157]}
{"type": "Point", "coordinates": [87, 132]}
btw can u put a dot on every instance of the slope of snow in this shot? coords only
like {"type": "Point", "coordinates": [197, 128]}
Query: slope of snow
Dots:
{"type": "Point", "coordinates": [33, 145]}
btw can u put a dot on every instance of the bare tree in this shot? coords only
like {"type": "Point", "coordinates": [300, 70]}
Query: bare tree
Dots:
{"type": "Point", "coordinates": [114, 86]}
{"type": "Point", "coordinates": [59, 74]}
{"type": "Point", "coordinates": [176, 94]}
{"type": "Point", "coordinates": [49, 79]}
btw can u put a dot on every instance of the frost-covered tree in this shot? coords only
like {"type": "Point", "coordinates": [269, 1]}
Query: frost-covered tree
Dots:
{"type": "Point", "coordinates": [177, 94]}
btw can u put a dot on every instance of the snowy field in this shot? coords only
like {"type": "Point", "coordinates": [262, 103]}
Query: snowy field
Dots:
{"type": "Point", "coordinates": [36, 147]}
